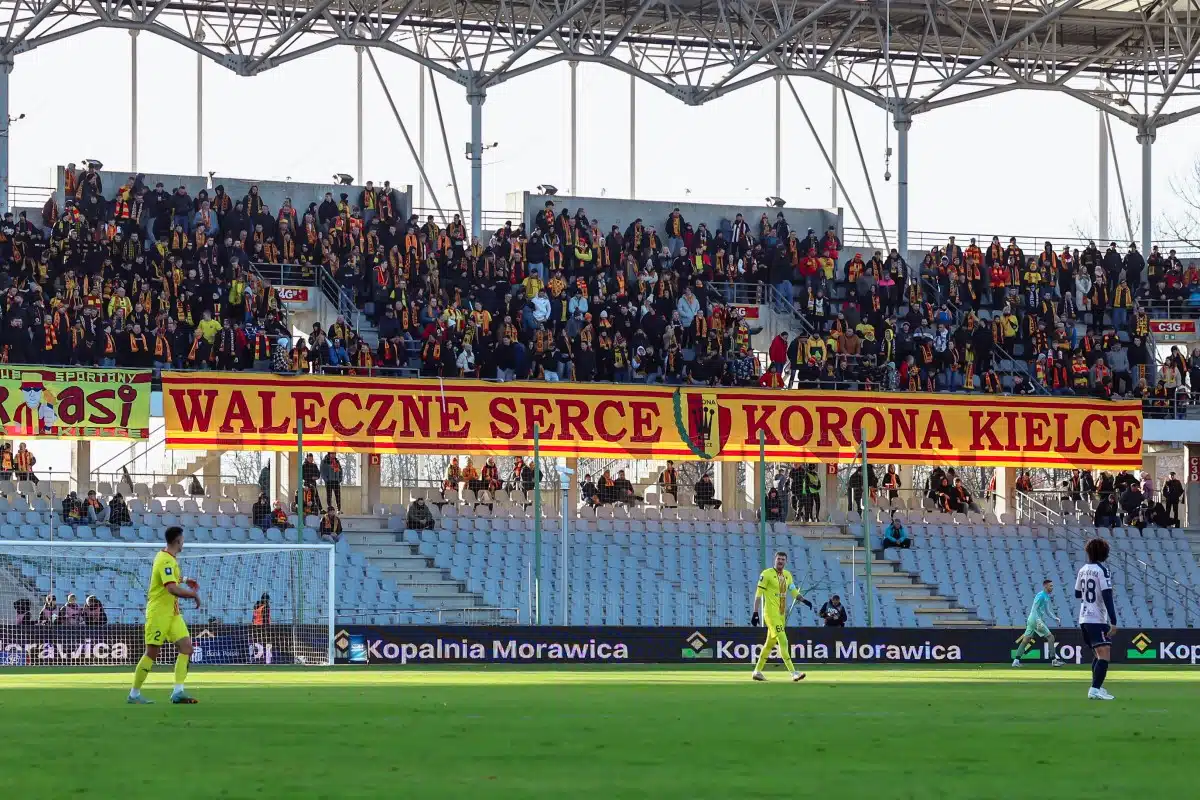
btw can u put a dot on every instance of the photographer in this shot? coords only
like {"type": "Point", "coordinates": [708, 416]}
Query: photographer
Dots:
{"type": "Point", "coordinates": [833, 612]}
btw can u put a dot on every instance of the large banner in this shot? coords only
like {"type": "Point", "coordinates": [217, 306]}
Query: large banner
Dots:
{"type": "Point", "coordinates": [105, 645]}
{"type": "Point", "coordinates": [380, 415]}
{"type": "Point", "coordinates": [417, 646]}
{"type": "Point", "coordinates": [75, 402]}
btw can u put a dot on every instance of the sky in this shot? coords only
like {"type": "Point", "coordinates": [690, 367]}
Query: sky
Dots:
{"type": "Point", "coordinates": [1022, 163]}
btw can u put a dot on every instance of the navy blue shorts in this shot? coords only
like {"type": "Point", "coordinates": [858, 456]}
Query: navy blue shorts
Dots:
{"type": "Point", "coordinates": [1095, 634]}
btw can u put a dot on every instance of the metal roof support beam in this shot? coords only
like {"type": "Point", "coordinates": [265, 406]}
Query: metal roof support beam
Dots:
{"type": "Point", "coordinates": [17, 40]}
{"type": "Point", "coordinates": [1183, 69]}
{"type": "Point", "coordinates": [770, 47]}
{"type": "Point", "coordinates": [628, 26]}
{"type": "Point", "coordinates": [547, 30]}
{"type": "Point", "coordinates": [1003, 47]}
{"type": "Point", "coordinates": [297, 27]}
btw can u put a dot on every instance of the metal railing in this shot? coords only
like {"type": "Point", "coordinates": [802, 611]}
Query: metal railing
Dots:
{"type": "Point", "coordinates": [1171, 309]}
{"type": "Point", "coordinates": [346, 307]}
{"type": "Point", "coordinates": [490, 221]}
{"type": "Point", "coordinates": [1031, 245]}
{"type": "Point", "coordinates": [173, 485]}
{"type": "Point", "coordinates": [428, 616]}
{"type": "Point", "coordinates": [285, 274]}
{"type": "Point", "coordinates": [29, 196]}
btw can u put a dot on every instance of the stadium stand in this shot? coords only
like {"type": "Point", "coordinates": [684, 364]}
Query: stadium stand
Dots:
{"type": "Point", "coordinates": [157, 279]}
{"type": "Point", "coordinates": [129, 281]}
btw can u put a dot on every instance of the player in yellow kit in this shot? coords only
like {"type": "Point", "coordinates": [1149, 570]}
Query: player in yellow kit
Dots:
{"type": "Point", "coordinates": [775, 586]}
{"type": "Point", "coordinates": [163, 622]}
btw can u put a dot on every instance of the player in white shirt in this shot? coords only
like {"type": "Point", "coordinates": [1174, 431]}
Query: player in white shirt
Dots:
{"type": "Point", "coordinates": [1097, 616]}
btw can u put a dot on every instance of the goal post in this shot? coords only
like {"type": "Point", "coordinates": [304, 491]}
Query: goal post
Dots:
{"type": "Point", "coordinates": [260, 603]}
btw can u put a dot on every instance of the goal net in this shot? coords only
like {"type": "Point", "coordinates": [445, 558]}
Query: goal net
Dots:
{"type": "Point", "coordinates": [83, 603]}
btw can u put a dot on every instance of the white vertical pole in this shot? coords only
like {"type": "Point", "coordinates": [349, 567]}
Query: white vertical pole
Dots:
{"type": "Point", "coordinates": [903, 123]}
{"type": "Point", "coordinates": [1146, 140]}
{"type": "Point", "coordinates": [778, 135]}
{"type": "Point", "coordinates": [133, 104]}
{"type": "Point", "coordinates": [358, 175]}
{"type": "Point", "coordinates": [421, 130]}
{"type": "Point", "coordinates": [833, 181]}
{"type": "Point", "coordinates": [475, 98]}
{"type": "Point", "coordinates": [5, 68]}
{"type": "Point", "coordinates": [632, 137]}
{"type": "Point", "coordinates": [1103, 130]}
{"type": "Point", "coordinates": [574, 128]}
{"type": "Point", "coordinates": [199, 114]}
{"type": "Point", "coordinates": [563, 578]}
{"type": "Point", "coordinates": [331, 598]}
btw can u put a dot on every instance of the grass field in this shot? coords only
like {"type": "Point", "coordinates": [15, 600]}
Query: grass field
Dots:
{"type": "Point", "coordinates": [602, 733]}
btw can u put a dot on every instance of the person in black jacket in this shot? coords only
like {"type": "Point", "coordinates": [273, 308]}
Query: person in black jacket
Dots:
{"type": "Point", "coordinates": [706, 493]}
{"type": "Point", "coordinates": [1173, 495]}
{"type": "Point", "coordinates": [833, 612]}
{"type": "Point", "coordinates": [420, 518]}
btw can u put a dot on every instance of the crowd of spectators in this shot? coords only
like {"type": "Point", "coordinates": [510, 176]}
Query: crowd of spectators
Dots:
{"type": "Point", "coordinates": [70, 613]}
{"type": "Point", "coordinates": [157, 277]}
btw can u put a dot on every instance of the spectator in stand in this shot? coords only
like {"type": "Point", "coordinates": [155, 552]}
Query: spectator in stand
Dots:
{"type": "Point", "coordinates": [706, 493]}
{"type": "Point", "coordinates": [94, 508]}
{"type": "Point", "coordinates": [588, 492]}
{"type": "Point", "coordinates": [23, 462]}
{"type": "Point", "coordinates": [261, 512]}
{"type": "Point", "coordinates": [420, 518]}
{"type": "Point", "coordinates": [623, 489]}
{"type": "Point", "coordinates": [775, 509]}
{"type": "Point", "coordinates": [894, 535]}
{"type": "Point", "coordinates": [331, 474]}
{"type": "Point", "coordinates": [668, 482]}
{"type": "Point", "coordinates": [49, 611]}
{"type": "Point", "coordinates": [118, 512]}
{"type": "Point", "coordinates": [1173, 495]}
{"type": "Point", "coordinates": [72, 509]}
{"type": "Point", "coordinates": [262, 611]}
{"type": "Point", "coordinates": [71, 612]}
{"type": "Point", "coordinates": [93, 612]}
{"type": "Point", "coordinates": [833, 613]}
{"type": "Point", "coordinates": [24, 612]}
{"type": "Point", "coordinates": [1131, 503]}
{"type": "Point", "coordinates": [279, 517]}
{"type": "Point", "coordinates": [331, 526]}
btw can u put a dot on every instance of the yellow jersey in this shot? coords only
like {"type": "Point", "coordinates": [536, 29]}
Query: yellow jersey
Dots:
{"type": "Point", "coordinates": [160, 602]}
{"type": "Point", "coordinates": [774, 589]}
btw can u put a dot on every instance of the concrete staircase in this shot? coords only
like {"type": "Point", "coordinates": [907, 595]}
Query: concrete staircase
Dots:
{"type": "Point", "coordinates": [903, 587]}
{"type": "Point", "coordinates": [401, 562]}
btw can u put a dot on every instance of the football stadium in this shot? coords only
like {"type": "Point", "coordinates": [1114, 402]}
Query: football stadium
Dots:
{"type": "Point", "coordinates": [619, 489]}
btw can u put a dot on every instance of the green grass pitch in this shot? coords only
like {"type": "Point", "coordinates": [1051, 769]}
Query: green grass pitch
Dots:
{"type": "Point", "coordinates": [601, 733]}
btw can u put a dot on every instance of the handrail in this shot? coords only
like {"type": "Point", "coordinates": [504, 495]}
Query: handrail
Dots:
{"type": "Point", "coordinates": [856, 237]}
{"type": "Point", "coordinates": [1032, 510]}
{"type": "Point", "coordinates": [160, 429]}
{"type": "Point", "coordinates": [346, 307]}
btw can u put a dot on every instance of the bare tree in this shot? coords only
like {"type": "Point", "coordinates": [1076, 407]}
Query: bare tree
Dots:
{"type": "Point", "coordinates": [1185, 224]}
{"type": "Point", "coordinates": [243, 466]}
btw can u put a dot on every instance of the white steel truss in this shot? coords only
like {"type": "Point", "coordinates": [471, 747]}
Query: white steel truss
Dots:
{"type": "Point", "coordinates": [1134, 60]}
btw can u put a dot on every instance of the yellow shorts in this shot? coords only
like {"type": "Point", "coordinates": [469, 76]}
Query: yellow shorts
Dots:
{"type": "Point", "coordinates": [163, 629]}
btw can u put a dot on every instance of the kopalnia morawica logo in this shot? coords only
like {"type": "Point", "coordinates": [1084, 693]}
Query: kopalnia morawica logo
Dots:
{"type": "Point", "coordinates": [696, 647]}
{"type": "Point", "coordinates": [1141, 648]}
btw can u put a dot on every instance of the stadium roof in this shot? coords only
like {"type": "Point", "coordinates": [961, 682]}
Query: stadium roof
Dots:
{"type": "Point", "coordinates": [1135, 60]}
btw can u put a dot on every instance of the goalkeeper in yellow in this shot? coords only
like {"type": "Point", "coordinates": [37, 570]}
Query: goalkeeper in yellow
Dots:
{"type": "Point", "coordinates": [775, 585]}
{"type": "Point", "coordinates": [163, 621]}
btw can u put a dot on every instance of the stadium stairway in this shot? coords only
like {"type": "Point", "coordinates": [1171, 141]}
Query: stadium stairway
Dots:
{"type": "Point", "coordinates": [412, 570]}
{"type": "Point", "coordinates": [929, 606]}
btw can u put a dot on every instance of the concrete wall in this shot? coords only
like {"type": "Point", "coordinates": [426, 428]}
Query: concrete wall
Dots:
{"type": "Point", "coordinates": [273, 192]}
{"type": "Point", "coordinates": [609, 211]}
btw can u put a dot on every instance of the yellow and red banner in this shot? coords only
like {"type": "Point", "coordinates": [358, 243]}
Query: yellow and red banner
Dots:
{"type": "Point", "coordinates": [231, 411]}
{"type": "Point", "coordinates": [74, 402]}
